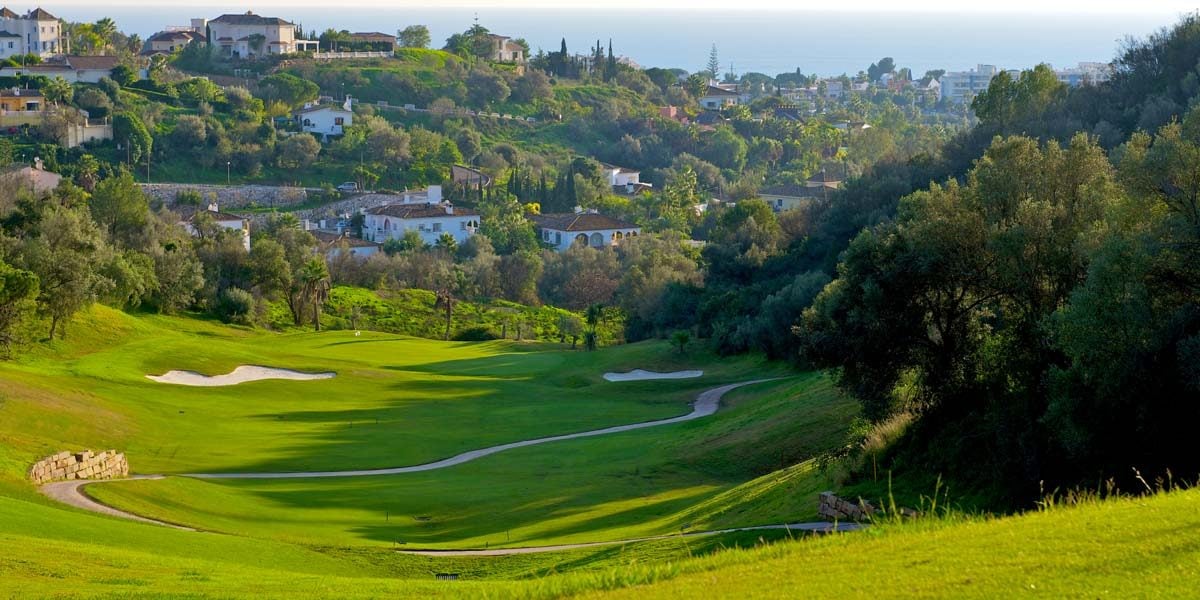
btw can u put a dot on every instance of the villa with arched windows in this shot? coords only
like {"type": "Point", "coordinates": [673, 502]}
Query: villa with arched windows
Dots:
{"type": "Point", "coordinates": [585, 228]}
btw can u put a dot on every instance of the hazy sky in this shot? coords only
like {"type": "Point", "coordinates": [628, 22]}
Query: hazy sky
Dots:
{"type": "Point", "coordinates": [955, 6]}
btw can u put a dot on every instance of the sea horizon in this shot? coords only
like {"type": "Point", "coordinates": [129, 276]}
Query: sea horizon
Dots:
{"type": "Point", "coordinates": [826, 43]}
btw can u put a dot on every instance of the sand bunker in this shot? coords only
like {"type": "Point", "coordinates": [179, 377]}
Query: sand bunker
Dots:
{"type": "Point", "coordinates": [641, 375]}
{"type": "Point", "coordinates": [241, 374]}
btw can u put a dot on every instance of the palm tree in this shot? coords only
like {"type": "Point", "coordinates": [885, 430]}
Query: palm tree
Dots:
{"type": "Point", "coordinates": [105, 28]}
{"type": "Point", "coordinates": [593, 315]}
{"type": "Point", "coordinates": [314, 286]}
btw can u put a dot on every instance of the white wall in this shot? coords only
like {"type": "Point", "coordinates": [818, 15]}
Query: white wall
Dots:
{"type": "Point", "coordinates": [324, 122]}
{"type": "Point", "coordinates": [563, 240]}
{"type": "Point", "coordinates": [380, 228]}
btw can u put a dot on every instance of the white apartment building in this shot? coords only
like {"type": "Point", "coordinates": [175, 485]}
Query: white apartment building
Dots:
{"type": "Point", "coordinates": [1087, 73]}
{"type": "Point", "coordinates": [962, 86]}
{"type": "Point", "coordinates": [37, 32]}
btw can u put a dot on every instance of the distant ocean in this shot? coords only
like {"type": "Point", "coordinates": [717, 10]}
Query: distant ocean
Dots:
{"type": "Point", "coordinates": [825, 43]}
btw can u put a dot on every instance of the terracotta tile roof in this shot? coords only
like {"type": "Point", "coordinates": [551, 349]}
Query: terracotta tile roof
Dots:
{"type": "Point", "coordinates": [419, 211]}
{"type": "Point", "coordinates": [579, 222]}
{"type": "Point", "coordinates": [5, 13]}
{"type": "Point", "coordinates": [716, 91]}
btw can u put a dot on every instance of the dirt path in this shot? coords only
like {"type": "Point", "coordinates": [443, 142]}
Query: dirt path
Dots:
{"type": "Point", "coordinates": [815, 527]}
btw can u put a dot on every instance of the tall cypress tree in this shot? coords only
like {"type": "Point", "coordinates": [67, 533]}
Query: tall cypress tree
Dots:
{"type": "Point", "coordinates": [610, 69]}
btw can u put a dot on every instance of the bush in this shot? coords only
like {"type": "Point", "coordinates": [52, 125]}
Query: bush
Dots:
{"type": "Point", "coordinates": [476, 334]}
{"type": "Point", "coordinates": [235, 305]}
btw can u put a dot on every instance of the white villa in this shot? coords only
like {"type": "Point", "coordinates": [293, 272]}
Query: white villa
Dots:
{"type": "Point", "coordinates": [225, 220]}
{"type": "Point", "coordinates": [422, 211]}
{"type": "Point", "coordinates": [583, 228]}
{"type": "Point", "coordinates": [37, 32]}
{"type": "Point", "coordinates": [237, 36]}
{"type": "Point", "coordinates": [327, 120]}
{"type": "Point", "coordinates": [716, 98]}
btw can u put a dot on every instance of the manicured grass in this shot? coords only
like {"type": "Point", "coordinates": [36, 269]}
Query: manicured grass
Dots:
{"type": "Point", "coordinates": [648, 482]}
{"type": "Point", "coordinates": [1128, 548]}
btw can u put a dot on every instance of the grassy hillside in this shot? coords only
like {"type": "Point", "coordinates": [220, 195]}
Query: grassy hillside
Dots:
{"type": "Point", "coordinates": [395, 401]}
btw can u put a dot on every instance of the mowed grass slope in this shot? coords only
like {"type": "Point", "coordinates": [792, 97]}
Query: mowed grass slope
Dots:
{"type": "Point", "coordinates": [1147, 547]}
{"type": "Point", "coordinates": [395, 401]}
{"type": "Point", "coordinates": [690, 476]}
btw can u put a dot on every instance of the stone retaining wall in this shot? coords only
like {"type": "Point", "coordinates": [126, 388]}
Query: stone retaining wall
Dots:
{"type": "Point", "coordinates": [838, 509]}
{"type": "Point", "coordinates": [230, 196]}
{"type": "Point", "coordinates": [109, 464]}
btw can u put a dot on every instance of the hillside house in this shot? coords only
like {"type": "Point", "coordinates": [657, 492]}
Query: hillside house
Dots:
{"type": "Point", "coordinates": [189, 217]}
{"type": "Point", "coordinates": [624, 181]}
{"type": "Point", "coordinates": [431, 219]}
{"type": "Point", "coordinates": [782, 198]}
{"type": "Point", "coordinates": [173, 39]}
{"type": "Point", "coordinates": [325, 120]}
{"type": "Point", "coordinates": [34, 178]}
{"type": "Point", "coordinates": [334, 244]}
{"type": "Point", "coordinates": [17, 100]}
{"type": "Point", "coordinates": [373, 40]}
{"type": "Point", "coordinates": [504, 49]}
{"type": "Point", "coordinates": [36, 32]}
{"type": "Point", "coordinates": [716, 98]}
{"type": "Point", "coordinates": [73, 69]}
{"type": "Point", "coordinates": [582, 228]}
{"type": "Point", "coordinates": [249, 35]}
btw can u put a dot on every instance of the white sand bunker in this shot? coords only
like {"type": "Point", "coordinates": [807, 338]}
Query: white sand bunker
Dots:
{"type": "Point", "coordinates": [642, 375]}
{"type": "Point", "coordinates": [241, 374]}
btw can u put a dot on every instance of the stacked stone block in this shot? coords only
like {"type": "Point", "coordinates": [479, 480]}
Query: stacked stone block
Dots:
{"type": "Point", "coordinates": [67, 466]}
{"type": "Point", "coordinates": [834, 508]}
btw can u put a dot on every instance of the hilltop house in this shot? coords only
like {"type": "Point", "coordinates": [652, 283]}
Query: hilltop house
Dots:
{"type": "Point", "coordinates": [504, 49]}
{"type": "Point", "coordinates": [425, 212]}
{"type": "Point", "coordinates": [249, 35]}
{"type": "Point", "coordinates": [224, 220]}
{"type": "Point", "coordinates": [583, 228]}
{"type": "Point", "coordinates": [373, 40]}
{"type": "Point", "coordinates": [325, 120]}
{"type": "Point", "coordinates": [716, 98]}
{"type": "Point", "coordinates": [37, 32]}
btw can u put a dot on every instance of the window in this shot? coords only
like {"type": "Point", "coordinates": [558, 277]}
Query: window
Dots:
{"type": "Point", "coordinates": [462, 225]}
{"type": "Point", "coordinates": [557, 238]}
{"type": "Point", "coordinates": [338, 120]}
{"type": "Point", "coordinates": [437, 227]}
